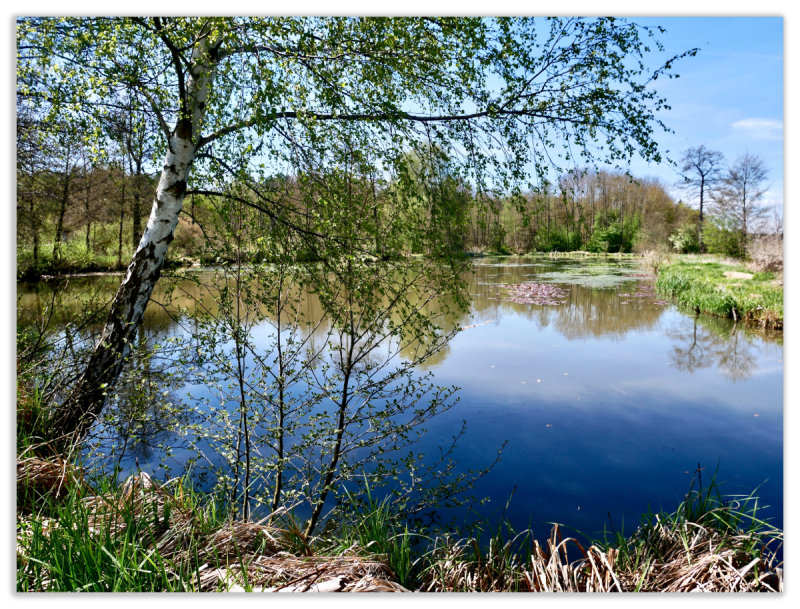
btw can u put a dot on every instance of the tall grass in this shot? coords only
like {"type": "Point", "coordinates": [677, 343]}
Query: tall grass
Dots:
{"type": "Point", "coordinates": [374, 528]}
{"type": "Point", "coordinates": [703, 287]}
{"type": "Point", "coordinates": [139, 537]}
{"type": "Point", "coordinates": [710, 542]}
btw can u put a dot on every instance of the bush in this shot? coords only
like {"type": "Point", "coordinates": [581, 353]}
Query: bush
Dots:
{"type": "Point", "coordinates": [684, 240]}
{"type": "Point", "coordinates": [766, 253]}
{"type": "Point", "coordinates": [720, 240]}
{"type": "Point", "coordinates": [558, 240]}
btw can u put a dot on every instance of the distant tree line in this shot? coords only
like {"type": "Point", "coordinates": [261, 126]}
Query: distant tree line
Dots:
{"type": "Point", "coordinates": [78, 208]}
{"type": "Point", "coordinates": [75, 207]}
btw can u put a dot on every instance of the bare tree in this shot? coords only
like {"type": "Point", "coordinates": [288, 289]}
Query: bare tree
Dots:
{"type": "Point", "coordinates": [701, 169]}
{"type": "Point", "coordinates": [740, 194]}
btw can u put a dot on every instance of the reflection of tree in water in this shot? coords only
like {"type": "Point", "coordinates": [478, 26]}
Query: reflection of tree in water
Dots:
{"type": "Point", "coordinates": [140, 415]}
{"type": "Point", "coordinates": [690, 354]}
{"type": "Point", "coordinates": [588, 312]}
{"type": "Point", "coordinates": [602, 313]}
{"type": "Point", "coordinates": [710, 341]}
{"type": "Point", "coordinates": [737, 361]}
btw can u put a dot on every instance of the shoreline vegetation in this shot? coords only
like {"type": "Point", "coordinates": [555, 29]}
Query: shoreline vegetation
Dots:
{"type": "Point", "coordinates": [721, 287]}
{"type": "Point", "coordinates": [108, 265]}
{"type": "Point", "coordinates": [145, 536]}
{"type": "Point", "coordinates": [708, 284]}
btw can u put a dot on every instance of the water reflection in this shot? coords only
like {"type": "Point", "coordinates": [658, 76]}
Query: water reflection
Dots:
{"type": "Point", "coordinates": [708, 342]}
{"type": "Point", "coordinates": [606, 400]}
{"type": "Point", "coordinates": [626, 304]}
{"type": "Point", "coordinates": [589, 312]}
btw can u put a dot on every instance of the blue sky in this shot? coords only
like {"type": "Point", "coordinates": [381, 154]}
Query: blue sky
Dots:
{"type": "Point", "coordinates": [729, 97]}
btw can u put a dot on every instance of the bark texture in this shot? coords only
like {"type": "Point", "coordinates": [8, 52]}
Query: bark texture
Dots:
{"type": "Point", "coordinates": [82, 407]}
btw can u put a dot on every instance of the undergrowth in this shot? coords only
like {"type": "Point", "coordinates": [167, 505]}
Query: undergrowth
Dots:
{"type": "Point", "coordinates": [73, 535]}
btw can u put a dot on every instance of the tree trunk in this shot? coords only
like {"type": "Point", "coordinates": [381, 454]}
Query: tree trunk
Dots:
{"type": "Point", "coordinates": [87, 213]}
{"type": "Point", "coordinates": [34, 226]}
{"type": "Point", "coordinates": [61, 213]}
{"type": "Point", "coordinates": [121, 219]}
{"type": "Point", "coordinates": [85, 403]}
{"type": "Point", "coordinates": [136, 214]}
{"type": "Point", "coordinates": [701, 246]}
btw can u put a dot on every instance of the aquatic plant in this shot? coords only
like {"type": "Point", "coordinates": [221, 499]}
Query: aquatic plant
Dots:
{"type": "Point", "coordinates": [536, 293]}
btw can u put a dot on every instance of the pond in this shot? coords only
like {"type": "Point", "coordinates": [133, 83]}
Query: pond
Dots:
{"type": "Point", "coordinates": [604, 398]}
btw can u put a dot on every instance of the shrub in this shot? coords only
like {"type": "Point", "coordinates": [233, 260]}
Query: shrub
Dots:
{"type": "Point", "coordinates": [684, 240]}
{"type": "Point", "coordinates": [766, 253]}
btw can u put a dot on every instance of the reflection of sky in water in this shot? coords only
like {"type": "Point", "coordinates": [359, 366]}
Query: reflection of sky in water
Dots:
{"type": "Point", "coordinates": [611, 409]}
{"type": "Point", "coordinates": [606, 406]}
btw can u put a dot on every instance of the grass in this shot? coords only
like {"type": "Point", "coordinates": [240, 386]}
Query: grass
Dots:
{"type": "Point", "coordinates": [146, 537]}
{"type": "Point", "coordinates": [700, 284]}
{"type": "Point", "coordinates": [73, 258]}
{"type": "Point", "coordinates": [709, 543]}
{"type": "Point", "coordinates": [375, 529]}
{"type": "Point", "coordinates": [141, 536]}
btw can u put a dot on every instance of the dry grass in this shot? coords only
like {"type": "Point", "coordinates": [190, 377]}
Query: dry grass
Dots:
{"type": "Point", "coordinates": [546, 569]}
{"type": "Point", "coordinates": [709, 562]}
{"type": "Point", "coordinates": [665, 556]}
{"type": "Point", "coordinates": [288, 573]}
{"type": "Point", "coordinates": [236, 556]}
{"type": "Point", "coordinates": [699, 559]}
{"type": "Point", "coordinates": [38, 478]}
{"type": "Point", "coordinates": [766, 254]}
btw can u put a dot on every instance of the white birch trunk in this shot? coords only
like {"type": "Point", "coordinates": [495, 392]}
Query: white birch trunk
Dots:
{"type": "Point", "coordinates": [78, 412]}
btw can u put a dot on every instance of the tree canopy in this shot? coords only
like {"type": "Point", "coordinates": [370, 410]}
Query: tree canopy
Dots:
{"type": "Point", "coordinates": [285, 91]}
{"type": "Point", "coordinates": [241, 99]}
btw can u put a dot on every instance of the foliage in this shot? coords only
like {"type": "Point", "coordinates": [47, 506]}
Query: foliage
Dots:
{"type": "Point", "coordinates": [722, 238]}
{"type": "Point", "coordinates": [702, 286]}
{"type": "Point", "coordinates": [285, 92]}
{"type": "Point", "coordinates": [315, 78]}
{"type": "Point", "coordinates": [685, 240]}
{"type": "Point", "coordinates": [613, 235]}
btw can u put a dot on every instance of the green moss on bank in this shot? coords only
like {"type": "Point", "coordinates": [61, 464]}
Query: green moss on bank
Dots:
{"type": "Point", "coordinates": [704, 287]}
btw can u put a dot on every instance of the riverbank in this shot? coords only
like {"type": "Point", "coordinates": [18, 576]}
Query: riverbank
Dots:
{"type": "Point", "coordinates": [104, 264]}
{"type": "Point", "coordinates": [148, 537]}
{"type": "Point", "coordinates": [100, 265]}
{"type": "Point", "coordinates": [706, 284]}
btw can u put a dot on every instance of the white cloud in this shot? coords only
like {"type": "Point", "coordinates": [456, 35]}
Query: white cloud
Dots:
{"type": "Point", "coordinates": [760, 128]}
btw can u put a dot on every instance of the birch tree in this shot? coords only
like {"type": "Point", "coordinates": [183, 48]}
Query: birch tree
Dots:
{"type": "Point", "coordinates": [511, 98]}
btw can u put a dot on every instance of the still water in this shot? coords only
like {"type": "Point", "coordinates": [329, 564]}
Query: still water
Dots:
{"type": "Point", "coordinates": [604, 398]}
